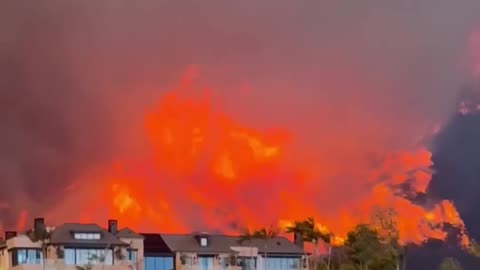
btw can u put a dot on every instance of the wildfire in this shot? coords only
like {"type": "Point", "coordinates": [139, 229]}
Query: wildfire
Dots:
{"type": "Point", "coordinates": [206, 170]}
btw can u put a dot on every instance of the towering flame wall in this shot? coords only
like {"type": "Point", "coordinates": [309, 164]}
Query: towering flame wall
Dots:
{"type": "Point", "coordinates": [204, 170]}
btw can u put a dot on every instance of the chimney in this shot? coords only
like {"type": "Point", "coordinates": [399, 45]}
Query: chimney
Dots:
{"type": "Point", "coordinates": [10, 234]}
{"type": "Point", "coordinates": [112, 226]}
{"type": "Point", "coordinates": [39, 224]}
{"type": "Point", "coordinates": [298, 239]}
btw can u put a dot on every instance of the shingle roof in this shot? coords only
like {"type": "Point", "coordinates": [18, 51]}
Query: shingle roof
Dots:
{"type": "Point", "coordinates": [63, 235]}
{"type": "Point", "coordinates": [128, 233]}
{"type": "Point", "coordinates": [223, 244]}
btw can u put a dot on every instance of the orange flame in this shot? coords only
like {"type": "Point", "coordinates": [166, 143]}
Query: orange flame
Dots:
{"type": "Point", "coordinates": [206, 170]}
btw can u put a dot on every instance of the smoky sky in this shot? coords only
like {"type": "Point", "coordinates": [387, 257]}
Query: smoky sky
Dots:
{"type": "Point", "coordinates": [455, 150]}
{"type": "Point", "coordinates": [75, 77]}
{"type": "Point", "coordinates": [455, 156]}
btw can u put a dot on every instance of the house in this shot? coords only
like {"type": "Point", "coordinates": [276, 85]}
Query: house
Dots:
{"type": "Point", "coordinates": [71, 245]}
{"type": "Point", "coordinates": [202, 251]}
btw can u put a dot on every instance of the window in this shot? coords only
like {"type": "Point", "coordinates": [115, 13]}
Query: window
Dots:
{"type": "Point", "coordinates": [248, 263]}
{"type": "Point", "coordinates": [283, 263]}
{"type": "Point", "coordinates": [203, 242]}
{"type": "Point", "coordinates": [158, 263]}
{"type": "Point", "coordinates": [69, 256]}
{"type": "Point", "coordinates": [26, 256]}
{"type": "Point", "coordinates": [205, 262]}
{"type": "Point", "coordinates": [87, 236]}
{"type": "Point", "coordinates": [132, 255]}
{"type": "Point", "coordinates": [83, 256]}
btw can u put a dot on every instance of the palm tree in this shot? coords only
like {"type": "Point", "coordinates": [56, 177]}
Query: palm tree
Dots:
{"type": "Point", "coordinates": [265, 234]}
{"type": "Point", "coordinates": [310, 233]}
{"type": "Point", "coordinates": [313, 234]}
{"type": "Point", "coordinates": [298, 229]}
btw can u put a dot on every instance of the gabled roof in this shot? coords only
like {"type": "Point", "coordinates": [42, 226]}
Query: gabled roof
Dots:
{"type": "Point", "coordinates": [63, 235]}
{"type": "Point", "coordinates": [223, 244]}
{"type": "Point", "coordinates": [128, 233]}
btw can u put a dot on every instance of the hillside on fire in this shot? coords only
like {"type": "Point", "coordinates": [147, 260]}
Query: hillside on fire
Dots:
{"type": "Point", "coordinates": [321, 134]}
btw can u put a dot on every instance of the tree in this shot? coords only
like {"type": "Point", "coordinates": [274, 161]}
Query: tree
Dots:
{"type": "Point", "coordinates": [265, 234]}
{"type": "Point", "coordinates": [366, 250]}
{"type": "Point", "coordinates": [298, 229]}
{"type": "Point", "coordinates": [450, 264]}
{"type": "Point", "coordinates": [311, 233]}
{"type": "Point", "coordinates": [40, 234]}
{"type": "Point", "coordinates": [384, 222]}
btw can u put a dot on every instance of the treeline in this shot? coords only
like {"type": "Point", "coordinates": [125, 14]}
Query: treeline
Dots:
{"type": "Point", "coordinates": [374, 245]}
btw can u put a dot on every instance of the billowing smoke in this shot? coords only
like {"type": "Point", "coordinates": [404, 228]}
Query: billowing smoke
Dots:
{"type": "Point", "coordinates": [455, 151]}
{"type": "Point", "coordinates": [52, 127]}
{"type": "Point", "coordinates": [455, 156]}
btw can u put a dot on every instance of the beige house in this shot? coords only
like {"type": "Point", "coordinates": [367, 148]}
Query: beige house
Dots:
{"type": "Point", "coordinates": [72, 245]}
{"type": "Point", "coordinates": [202, 251]}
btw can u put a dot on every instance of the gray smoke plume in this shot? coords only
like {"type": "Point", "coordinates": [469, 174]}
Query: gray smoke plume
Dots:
{"type": "Point", "coordinates": [51, 127]}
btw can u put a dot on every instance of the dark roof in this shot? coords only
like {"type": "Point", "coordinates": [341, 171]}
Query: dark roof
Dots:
{"type": "Point", "coordinates": [128, 233]}
{"type": "Point", "coordinates": [153, 243]}
{"type": "Point", "coordinates": [223, 244]}
{"type": "Point", "coordinates": [63, 235]}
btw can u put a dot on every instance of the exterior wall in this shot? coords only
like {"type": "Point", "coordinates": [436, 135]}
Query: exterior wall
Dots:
{"type": "Point", "coordinates": [52, 262]}
{"type": "Point", "coordinates": [61, 266]}
{"type": "Point", "coordinates": [246, 251]}
{"type": "Point", "coordinates": [137, 243]}
{"type": "Point", "coordinates": [261, 262]}
{"type": "Point", "coordinates": [22, 241]}
{"type": "Point", "coordinates": [187, 266]}
{"type": "Point", "coordinates": [4, 261]}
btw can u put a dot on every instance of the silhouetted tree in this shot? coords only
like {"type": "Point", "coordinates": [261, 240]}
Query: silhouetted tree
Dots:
{"type": "Point", "coordinates": [40, 234]}
{"type": "Point", "coordinates": [310, 233]}
{"type": "Point", "coordinates": [265, 234]}
{"type": "Point", "coordinates": [366, 251]}
{"type": "Point", "coordinates": [384, 222]}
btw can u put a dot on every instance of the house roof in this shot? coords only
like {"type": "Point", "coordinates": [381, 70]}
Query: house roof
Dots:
{"type": "Point", "coordinates": [63, 235]}
{"type": "Point", "coordinates": [128, 233]}
{"type": "Point", "coordinates": [153, 243]}
{"type": "Point", "coordinates": [223, 244]}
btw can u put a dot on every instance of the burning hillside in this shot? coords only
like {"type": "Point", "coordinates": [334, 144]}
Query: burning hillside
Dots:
{"type": "Point", "coordinates": [205, 170]}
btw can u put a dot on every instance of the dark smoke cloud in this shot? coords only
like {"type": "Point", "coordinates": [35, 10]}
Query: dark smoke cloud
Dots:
{"type": "Point", "coordinates": [51, 128]}
{"type": "Point", "coordinates": [455, 154]}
